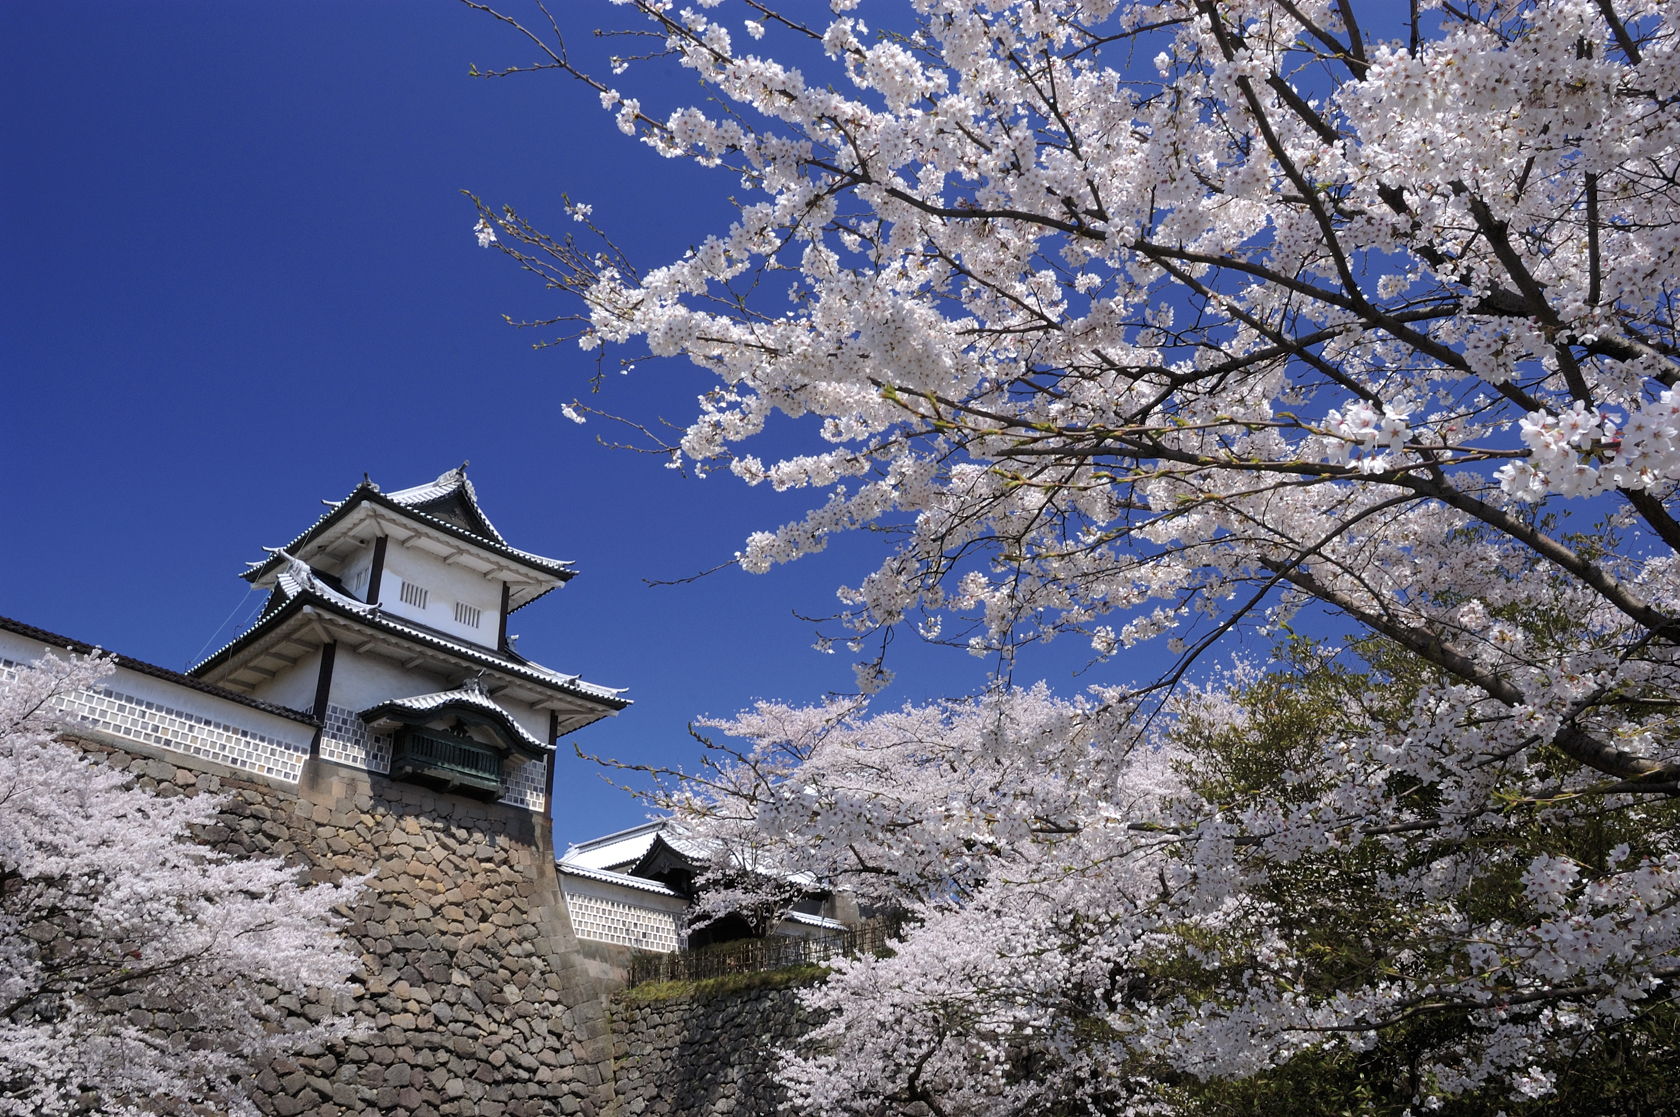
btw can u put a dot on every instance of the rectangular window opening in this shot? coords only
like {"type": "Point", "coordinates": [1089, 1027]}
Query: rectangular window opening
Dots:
{"type": "Point", "coordinates": [414, 595]}
{"type": "Point", "coordinates": [466, 614]}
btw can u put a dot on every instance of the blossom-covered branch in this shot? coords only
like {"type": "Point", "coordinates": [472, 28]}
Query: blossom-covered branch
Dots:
{"type": "Point", "coordinates": [1153, 319]}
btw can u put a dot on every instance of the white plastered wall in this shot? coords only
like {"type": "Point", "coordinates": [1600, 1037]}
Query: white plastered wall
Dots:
{"type": "Point", "coordinates": [445, 585]}
{"type": "Point", "coordinates": [354, 572]}
{"type": "Point", "coordinates": [295, 686]}
{"type": "Point", "coordinates": [363, 680]}
{"type": "Point", "coordinates": [534, 722]}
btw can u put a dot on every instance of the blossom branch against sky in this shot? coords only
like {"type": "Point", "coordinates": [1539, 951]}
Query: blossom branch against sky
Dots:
{"type": "Point", "coordinates": [1149, 352]}
{"type": "Point", "coordinates": [1110, 344]}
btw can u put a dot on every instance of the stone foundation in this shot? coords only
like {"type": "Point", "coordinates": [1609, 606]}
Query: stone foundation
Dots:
{"type": "Point", "coordinates": [704, 1056]}
{"type": "Point", "coordinates": [474, 997]}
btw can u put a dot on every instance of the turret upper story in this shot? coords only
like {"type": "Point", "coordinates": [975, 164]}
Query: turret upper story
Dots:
{"type": "Point", "coordinates": [428, 554]}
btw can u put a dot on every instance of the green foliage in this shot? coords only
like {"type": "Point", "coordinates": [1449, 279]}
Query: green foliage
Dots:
{"type": "Point", "coordinates": [1339, 910]}
{"type": "Point", "coordinates": [1630, 1073]}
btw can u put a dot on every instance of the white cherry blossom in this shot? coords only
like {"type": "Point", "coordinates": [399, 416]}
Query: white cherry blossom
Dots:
{"type": "Point", "coordinates": [1150, 320]}
{"type": "Point", "coordinates": [110, 911]}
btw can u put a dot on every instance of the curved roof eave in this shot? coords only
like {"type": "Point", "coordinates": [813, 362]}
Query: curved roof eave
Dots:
{"type": "Point", "coordinates": [79, 647]}
{"type": "Point", "coordinates": [465, 698]}
{"type": "Point", "coordinates": [374, 618]}
{"type": "Point", "coordinates": [366, 493]}
{"type": "Point", "coordinates": [606, 876]}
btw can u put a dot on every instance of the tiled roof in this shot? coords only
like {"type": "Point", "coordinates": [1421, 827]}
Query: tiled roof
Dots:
{"type": "Point", "coordinates": [453, 483]}
{"type": "Point", "coordinates": [629, 847]}
{"type": "Point", "coordinates": [623, 848]}
{"type": "Point", "coordinates": [412, 503]}
{"type": "Point", "coordinates": [814, 921]}
{"type": "Point", "coordinates": [469, 695]}
{"type": "Point", "coordinates": [572, 868]}
{"type": "Point", "coordinates": [296, 585]}
{"type": "Point", "coordinates": [164, 673]}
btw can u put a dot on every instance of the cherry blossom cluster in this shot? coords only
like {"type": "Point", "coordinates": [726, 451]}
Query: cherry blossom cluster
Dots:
{"type": "Point", "coordinates": [1582, 451]}
{"type": "Point", "coordinates": [1058, 861]}
{"type": "Point", "coordinates": [1154, 320]}
{"type": "Point", "coordinates": [109, 905]}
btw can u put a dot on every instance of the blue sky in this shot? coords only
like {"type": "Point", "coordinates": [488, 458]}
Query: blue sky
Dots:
{"type": "Point", "coordinates": [236, 271]}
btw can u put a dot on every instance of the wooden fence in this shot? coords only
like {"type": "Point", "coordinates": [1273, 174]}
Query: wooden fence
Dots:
{"type": "Point", "coordinates": [754, 955]}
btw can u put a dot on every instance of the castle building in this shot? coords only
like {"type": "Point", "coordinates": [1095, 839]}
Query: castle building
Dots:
{"type": "Point", "coordinates": [378, 721]}
{"type": "Point", "coordinates": [634, 888]}
{"type": "Point", "coordinates": [387, 622]}
{"type": "Point", "coordinates": [383, 651]}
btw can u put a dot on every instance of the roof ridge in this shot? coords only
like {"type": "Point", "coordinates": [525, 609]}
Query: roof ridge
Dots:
{"type": "Point", "coordinates": [465, 694]}
{"type": "Point", "coordinates": [619, 835]}
{"type": "Point", "coordinates": [495, 543]}
{"type": "Point", "coordinates": [607, 876]}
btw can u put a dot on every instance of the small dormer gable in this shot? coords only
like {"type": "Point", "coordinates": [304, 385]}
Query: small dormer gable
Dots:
{"type": "Point", "coordinates": [457, 740]}
{"type": "Point", "coordinates": [451, 498]}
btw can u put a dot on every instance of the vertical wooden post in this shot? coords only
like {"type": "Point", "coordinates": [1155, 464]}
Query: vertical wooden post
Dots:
{"type": "Point", "coordinates": [323, 690]}
{"type": "Point", "coordinates": [501, 636]}
{"type": "Point", "coordinates": [553, 743]}
{"type": "Point", "coordinates": [378, 569]}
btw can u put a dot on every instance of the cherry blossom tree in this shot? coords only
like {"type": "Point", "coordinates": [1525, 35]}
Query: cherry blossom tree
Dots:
{"type": "Point", "coordinates": [133, 960]}
{"type": "Point", "coordinates": [1262, 905]}
{"type": "Point", "coordinates": [1153, 321]}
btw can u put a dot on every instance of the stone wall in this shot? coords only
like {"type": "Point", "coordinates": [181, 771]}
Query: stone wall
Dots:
{"type": "Point", "coordinates": [703, 1056]}
{"type": "Point", "coordinates": [473, 997]}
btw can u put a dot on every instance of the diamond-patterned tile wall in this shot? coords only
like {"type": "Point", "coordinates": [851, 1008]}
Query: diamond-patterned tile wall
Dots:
{"type": "Point", "coordinates": [617, 921]}
{"type": "Point", "coordinates": [346, 740]}
{"type": "Point", "coordinates": [523, 784]}
{"type": "Point", "coordinates": [153, 723]}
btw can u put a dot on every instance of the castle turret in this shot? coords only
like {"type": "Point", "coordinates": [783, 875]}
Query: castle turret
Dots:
{"type": "Point", "coordinates": [387, 620]}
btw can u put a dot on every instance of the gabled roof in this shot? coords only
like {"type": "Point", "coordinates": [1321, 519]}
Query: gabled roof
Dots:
{"type": "Point", "coordinates": [451, 497]}
{"type": "Point", "coordinates": [642, 884]}
{"type": "Point", "coordinates": [447, 505]}
{"type": "Point", "coordinates": [624, 848]}
{"type": "Point", "coordinates": [300, 597]}
{"type": "Point", "coordinates": [469, 699]}
{"type": "Point", "coordinates": [651, 848]}
{"type": "Point", "coordinates": [810, 920]}
{"type": "Point", "coordinates": [667, 852]}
